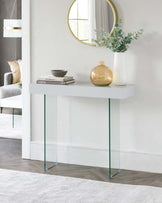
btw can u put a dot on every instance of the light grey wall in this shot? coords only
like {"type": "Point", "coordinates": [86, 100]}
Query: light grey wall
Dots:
{"type": "Point", "coordinates": [10, 48]}
{"type": "Point", "coordinates": [82, 123]}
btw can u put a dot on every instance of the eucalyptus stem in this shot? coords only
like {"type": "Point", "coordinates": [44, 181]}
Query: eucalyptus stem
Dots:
{"type": "Point", "coordinates": [117, 41]}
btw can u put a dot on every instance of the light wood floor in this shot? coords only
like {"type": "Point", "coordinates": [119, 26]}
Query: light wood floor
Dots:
{"type": "Point", "coordinates": [10, 158]}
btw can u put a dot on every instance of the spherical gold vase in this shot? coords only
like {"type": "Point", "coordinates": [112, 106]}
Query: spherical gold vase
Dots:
{"type": "Point", "coordinates": [101, 75]}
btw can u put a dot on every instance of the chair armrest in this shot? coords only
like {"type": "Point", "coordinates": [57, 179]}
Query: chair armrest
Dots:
{"type": "Point", "coordinates": [8, 78]}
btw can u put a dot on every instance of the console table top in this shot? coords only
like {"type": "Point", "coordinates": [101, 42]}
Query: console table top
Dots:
{"type": "Point", "coordinates": [82, 89]}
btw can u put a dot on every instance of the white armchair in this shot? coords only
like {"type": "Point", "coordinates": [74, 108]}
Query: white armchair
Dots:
{"type": "Point", "coordinates": [9, 89]}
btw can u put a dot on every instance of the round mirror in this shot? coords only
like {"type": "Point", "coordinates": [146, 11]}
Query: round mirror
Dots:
{"type": "Point", "coordinates": [87, 16]}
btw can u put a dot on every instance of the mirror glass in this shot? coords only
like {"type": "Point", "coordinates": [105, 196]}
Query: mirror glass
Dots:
{"type": "Point", "coordinates": [86, 16]}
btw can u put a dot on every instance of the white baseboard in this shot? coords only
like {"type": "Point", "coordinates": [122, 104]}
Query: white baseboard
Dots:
{"type": "Point", "coordinates": [88, 156]}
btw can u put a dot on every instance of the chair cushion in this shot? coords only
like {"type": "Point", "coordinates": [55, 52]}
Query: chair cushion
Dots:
{"type": "Point", "coordinates": [15, 68]}
{"type": "Point", "coordinates": [10, 90]}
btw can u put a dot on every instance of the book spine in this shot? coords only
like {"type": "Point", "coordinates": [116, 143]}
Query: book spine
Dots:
{"type": "Point", "coordinates": [54, 82]}
{"type": "Point", "coordinates": [57, 79]}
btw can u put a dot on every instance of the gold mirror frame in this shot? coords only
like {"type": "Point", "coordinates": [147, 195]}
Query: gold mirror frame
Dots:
{"type": "Point", "coordinates": [115, 21]}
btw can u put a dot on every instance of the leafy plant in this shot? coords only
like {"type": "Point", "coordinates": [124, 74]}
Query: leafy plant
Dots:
{"type": "Point", "coordinates": [20, 84]}
{"type": "Point", "coordinates": [116, 41]}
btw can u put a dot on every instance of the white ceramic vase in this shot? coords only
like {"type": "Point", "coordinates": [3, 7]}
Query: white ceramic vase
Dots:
{"type": "Point", "coordinates": [119, 69]}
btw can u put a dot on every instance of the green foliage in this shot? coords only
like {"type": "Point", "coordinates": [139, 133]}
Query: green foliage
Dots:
{"type": "Point", "coordinates": [20, 84]}
{"type": "Point", "coordinates": [117, 41]}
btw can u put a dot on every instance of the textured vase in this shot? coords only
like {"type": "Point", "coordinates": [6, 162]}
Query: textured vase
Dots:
{"type": "Point", "coordinates": [119, 69]}
{"type": "Point", "coordinates": [101, 75]}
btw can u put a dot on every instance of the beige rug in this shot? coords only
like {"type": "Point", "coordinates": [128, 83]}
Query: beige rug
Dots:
{"type": "Point", "coordinates": [24, 187]}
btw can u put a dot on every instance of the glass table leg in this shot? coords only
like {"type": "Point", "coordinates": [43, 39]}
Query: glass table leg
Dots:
{"type": "Point", "coordinates": [114, 137]}
{"type": "Point", "coordinates": [50, 141]}
{"type": "Point", "coordinates": [13, 112]}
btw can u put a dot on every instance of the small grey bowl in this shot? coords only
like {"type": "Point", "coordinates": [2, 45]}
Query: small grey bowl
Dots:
{"type": "Point", "coordinates": [59, 73]}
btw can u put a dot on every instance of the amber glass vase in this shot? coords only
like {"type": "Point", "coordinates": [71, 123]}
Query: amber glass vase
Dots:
{"type": "Point", "coordinates": [101, 75]}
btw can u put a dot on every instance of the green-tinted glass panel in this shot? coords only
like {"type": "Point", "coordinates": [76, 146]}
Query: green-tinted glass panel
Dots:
{"type": "Point", "coordinates": [114, 137]}
{"type": "Point", "coordinates": [50, 132]}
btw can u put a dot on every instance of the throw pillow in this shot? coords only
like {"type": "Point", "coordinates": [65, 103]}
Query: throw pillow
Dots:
{"type": "Point", "coordinates": [20, 65]}
{"type": "Point", "coordinates": [15, 68]}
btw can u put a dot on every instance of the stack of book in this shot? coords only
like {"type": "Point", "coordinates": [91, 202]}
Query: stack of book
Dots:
{"type": "Point", "coordinates": [56, 80]}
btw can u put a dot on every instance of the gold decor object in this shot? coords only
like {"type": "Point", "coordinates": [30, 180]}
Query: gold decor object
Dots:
{"type": "Point", "coordinates": [13, 28]}
{"type": "Point", "coordinates": [101, 75]}
{"type": "Point", "coordinates": [103, 15]}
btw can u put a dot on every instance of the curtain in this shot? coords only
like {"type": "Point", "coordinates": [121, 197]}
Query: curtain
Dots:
{"type": "Point", "coordinates": [91, 21]}
{"type": "Point", "coordinates": [104, 15]}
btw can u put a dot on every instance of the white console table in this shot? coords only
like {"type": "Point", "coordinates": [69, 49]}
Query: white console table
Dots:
{"type": "Point", "coordinates": [112, 93]}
